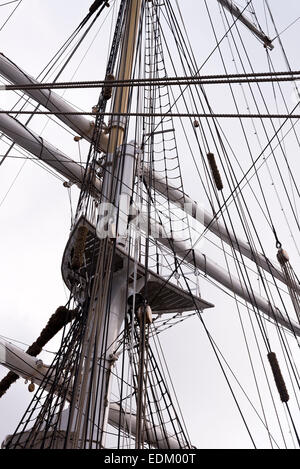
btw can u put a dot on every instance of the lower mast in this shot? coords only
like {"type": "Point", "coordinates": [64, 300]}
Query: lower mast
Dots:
{"type": "Point", "coordinates": [110, 290]}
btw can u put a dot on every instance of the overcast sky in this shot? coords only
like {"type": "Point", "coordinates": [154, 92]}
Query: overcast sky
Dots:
{"type": "Point", "coordinates": [35, 219]}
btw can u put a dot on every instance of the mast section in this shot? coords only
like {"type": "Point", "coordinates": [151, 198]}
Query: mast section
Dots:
{"type": "Point", "coordinates": [108, 300]}
{"type": "Point", "coordinates": [121, 97]}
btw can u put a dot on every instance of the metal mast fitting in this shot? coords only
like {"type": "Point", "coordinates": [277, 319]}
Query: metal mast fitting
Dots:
{"type": "Point", "coordinates": [236, 12]}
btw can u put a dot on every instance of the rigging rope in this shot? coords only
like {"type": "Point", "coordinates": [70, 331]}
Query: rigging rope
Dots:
{"type": "Point", "coordinates": [11, 14]}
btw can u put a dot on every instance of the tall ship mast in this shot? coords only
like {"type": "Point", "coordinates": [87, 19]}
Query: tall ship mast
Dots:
{"type": "Point", "coordinates": [183, 193]}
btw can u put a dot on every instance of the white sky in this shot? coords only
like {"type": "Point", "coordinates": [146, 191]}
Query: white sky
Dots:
{"type": "Point", "coordinates": [35, 222]}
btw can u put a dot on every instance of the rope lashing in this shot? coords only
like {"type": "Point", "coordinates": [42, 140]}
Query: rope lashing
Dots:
{"type": "Point", "coordinates": [59, 319]}
{"type": "Point", "coordinates": [77, 259]}
{"type": "Point", "coordinates": [215, 172]}
{"type": "Point", "coordinates": [107, 90]}
{"type": "Point", "coordinates": [284, 396]}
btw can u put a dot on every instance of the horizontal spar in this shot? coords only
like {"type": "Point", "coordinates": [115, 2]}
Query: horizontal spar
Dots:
{"type": "Point", "coordinates": [219, 274]}
{"type": "Point", "coordinates": [51, 101]}
{"type": "Point", "coordinates": [74, 172]}
{"type": "Point", "coordinates": [45, 152]}
{"type": "Point", "coordinates": [239, 15]}
{"type": "Point", "coordinates": [24, 365]}
{"type": "Point", "coordinates": [214, 225]}
{"type": "Point", "coordinates": [154, 435]}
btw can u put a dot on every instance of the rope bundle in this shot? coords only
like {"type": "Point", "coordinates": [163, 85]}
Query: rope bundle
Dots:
{"type": "Point", "coordinates": [215, 172]}
{"type": "Point", "coordinates": [284, 396]}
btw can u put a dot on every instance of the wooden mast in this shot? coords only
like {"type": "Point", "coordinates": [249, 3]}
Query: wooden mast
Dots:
{"type": "Point", "coordinates": [121, 96]}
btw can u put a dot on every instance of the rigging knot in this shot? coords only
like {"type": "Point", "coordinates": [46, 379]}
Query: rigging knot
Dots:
{"type": "Point", "coordinates": [282, 256]}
